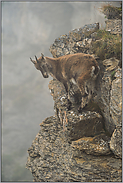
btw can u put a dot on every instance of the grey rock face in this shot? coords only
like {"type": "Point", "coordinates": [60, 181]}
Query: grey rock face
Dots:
{"type": "Point", "coordinates": [77, 40]}
{"type": "Point", "coordinates": [53, 159]}
{"type": "Point", "coordinates": [109, 95]}
{"type": "Point", "coordinates": [109, 98]}
{"type": "Point", "coordinates": [116, 142]}
{"type": "Point", "coordinates": [116, 98]}
{"type": "Point", "coordinates": [114, 26]}
{"type": "Point", "coordinates": [81, 146]}
{"type": "Point", "coordinates": [105, 101]}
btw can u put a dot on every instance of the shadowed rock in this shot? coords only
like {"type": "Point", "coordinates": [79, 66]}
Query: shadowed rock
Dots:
{"type": "Point", "coordinates": [98, 145]}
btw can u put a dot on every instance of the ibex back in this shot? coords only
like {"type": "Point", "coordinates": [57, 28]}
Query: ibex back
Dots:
{"type": "Point", "coordinates": [81, 69]}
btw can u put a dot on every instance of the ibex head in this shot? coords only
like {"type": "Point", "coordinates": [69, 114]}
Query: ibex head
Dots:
{"type": "Point", "coordinates": [39, 63]}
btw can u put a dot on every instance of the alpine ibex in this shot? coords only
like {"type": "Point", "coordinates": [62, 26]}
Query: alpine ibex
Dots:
{"type": "Point", "coordinates": [80, 69]}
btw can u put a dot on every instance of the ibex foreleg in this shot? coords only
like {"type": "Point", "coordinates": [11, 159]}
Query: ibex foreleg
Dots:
{"type": "Point", "coordinates": [67, 88]}
{"type": "Point", "coordinates": [86, 88]}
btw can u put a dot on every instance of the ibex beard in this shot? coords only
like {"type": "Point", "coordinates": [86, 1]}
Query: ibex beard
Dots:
{"type": "Point", "coordinates": [80, 69]}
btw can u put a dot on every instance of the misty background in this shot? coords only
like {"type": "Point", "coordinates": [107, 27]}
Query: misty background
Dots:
{"type": "Point", "coordinates": [29, 28]}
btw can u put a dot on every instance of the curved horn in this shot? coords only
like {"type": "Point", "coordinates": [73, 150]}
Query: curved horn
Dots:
{"type": "Point", "coordinates": [32, 60]}
{"type": "Point", "coordinates": [36, 58]}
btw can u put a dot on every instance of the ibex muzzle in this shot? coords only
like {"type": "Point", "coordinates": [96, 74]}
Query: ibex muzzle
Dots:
{"type": "Point", "coordinates": [81, 69]}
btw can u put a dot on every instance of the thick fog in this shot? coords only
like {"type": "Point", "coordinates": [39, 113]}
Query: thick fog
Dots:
{"type": "Point", "coordinates": [29, 28]}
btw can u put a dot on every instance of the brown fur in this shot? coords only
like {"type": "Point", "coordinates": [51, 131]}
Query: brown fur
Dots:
{"type": "Point", "coordinates": [79, 68]}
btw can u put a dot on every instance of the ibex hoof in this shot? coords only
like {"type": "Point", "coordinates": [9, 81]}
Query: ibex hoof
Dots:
{"type": "Point", "coordinates": [69, 105]}
{"type": "Point", "coordinates": [79, 109]}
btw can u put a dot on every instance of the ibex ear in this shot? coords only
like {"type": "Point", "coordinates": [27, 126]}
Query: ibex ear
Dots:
{"type": "Point", "coordinates": [42, 55]}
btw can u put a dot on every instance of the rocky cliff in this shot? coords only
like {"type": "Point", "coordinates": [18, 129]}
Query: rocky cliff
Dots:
{"type": "Point", "coordinates": [81, 146]}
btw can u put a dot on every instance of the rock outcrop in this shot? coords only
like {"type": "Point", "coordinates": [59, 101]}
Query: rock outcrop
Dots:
{"type": "Point", "coordinates": [114, 19]}
{"type": "Point", "coordinates": [81, 146]}
{"type": "Point", "coordinates": [114, 26]}
{"type": "Point", "coordinates": [53, 159]}
{"type": "Point", "coordinates": [109, 95]}
{"type": "Point", "coordinates": [77, 40]}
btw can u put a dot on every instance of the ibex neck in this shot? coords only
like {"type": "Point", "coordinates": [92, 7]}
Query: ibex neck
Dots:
{"type": "Point", "coordinates": [51, 64]}
{"type": "Point", "coordinates": [49, 59]}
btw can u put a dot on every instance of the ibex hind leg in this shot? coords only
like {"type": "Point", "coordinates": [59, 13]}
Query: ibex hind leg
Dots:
{"type": "Point", "coordinates": [67, 88]}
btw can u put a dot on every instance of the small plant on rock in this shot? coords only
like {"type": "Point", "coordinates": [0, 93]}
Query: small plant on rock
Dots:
{"type": "Point", "coordinates": [112, 12]}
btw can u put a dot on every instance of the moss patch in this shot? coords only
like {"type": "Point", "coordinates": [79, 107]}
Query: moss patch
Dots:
{"type": "Point", "coordinates": [107, 45]}
{"type": "Point", "coordinates": [113, 75]}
